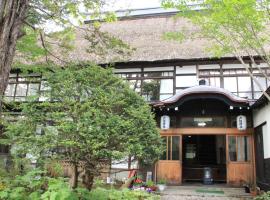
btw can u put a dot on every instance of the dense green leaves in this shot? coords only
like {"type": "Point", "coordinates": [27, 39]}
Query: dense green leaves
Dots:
{"type": "Point", "coordinates": [45, 188]}
{"type": "Point", "coordinates": [90, 115]}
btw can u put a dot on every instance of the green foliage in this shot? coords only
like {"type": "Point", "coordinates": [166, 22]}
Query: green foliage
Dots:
{"type": "Point", "coordinates": [59, 189]}
{"type": "Point", "coordinates": [28, 45]}
{"type": "Point", "coordinates": [51, 26]}
{"type": "Point", "coordinates": [35, 186]}
{"type": "Point", "coordinates": [98, 182]}
{"type": "Point", "coordinates": [264, 196]}
{"type": "Point", "coordinates": [28, 186]}
{"type": "Point", "coordinates": [150, 183]}
{"type": "Point", "coordinates": [102, 194]}
{"type": "Point", "coordinates": [162, 182]}
{"type": "Point", "coordinates": [234, 26]}
{"type": "Point", "coordinates": [90, 115]}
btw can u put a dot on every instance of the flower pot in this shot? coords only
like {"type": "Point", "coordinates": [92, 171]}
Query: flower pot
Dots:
{"type": "Point", "coordinates": [253, 193]}
{"type": "Point", "coordinates": [153, 188]}
{"type": "Point", "coordinates": [161, 187]}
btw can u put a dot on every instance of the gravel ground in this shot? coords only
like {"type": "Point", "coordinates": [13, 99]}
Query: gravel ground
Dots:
{"type": "Point", "coordinates": [189, 193]}
{"type": "Point", "coordinates": [194, 197]}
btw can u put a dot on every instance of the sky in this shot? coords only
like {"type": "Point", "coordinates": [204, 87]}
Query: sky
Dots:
{"type": "Point", "coordinates": [132, 4]}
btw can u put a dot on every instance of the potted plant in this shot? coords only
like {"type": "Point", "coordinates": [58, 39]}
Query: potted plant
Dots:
{"type": "Point", "coordinates": [151, 185]}
{"type": "Point", "coordinates": [253, 189]}
{"type": "Point", "coordinates": [161, 184]}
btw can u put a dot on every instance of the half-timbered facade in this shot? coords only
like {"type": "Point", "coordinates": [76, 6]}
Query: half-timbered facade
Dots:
{"type": "Point", "coordinates": [204, 98]}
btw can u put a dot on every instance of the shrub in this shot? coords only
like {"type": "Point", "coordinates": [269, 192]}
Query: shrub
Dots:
{"type": "Point", "coordinates": [35, 186]}
{"type": "Point", "coordinates": [265, 196]}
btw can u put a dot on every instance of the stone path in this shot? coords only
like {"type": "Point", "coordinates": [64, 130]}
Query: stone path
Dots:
{"type": "Point", "coordinates": [190, 193]}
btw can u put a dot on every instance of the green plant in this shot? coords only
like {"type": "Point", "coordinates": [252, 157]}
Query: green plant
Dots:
{"type": "Point", "coordinates": [264, 196]}
{"type": "Point", "coordinates": [150, 183]}
{"type": "Point", "coordinates": [162, 182]}
{"type": "Point", "coordinates": [98, 182]}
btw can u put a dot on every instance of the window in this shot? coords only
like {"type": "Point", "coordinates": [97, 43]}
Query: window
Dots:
{"type": "Point", "coordinates": [172, 144]}
{"type": "Point", "coordinates": [186, 69]}
{"type": "Point", "coordinates": [20, 87]}
{"type": "Point", "coordinates": [239, 148]}
{"type": "Point", "coordinates": [186, 81]}
{"type": "Point", "coordinates": [230, 83]}
{"type": "Point", "coordinates": [157, 89]}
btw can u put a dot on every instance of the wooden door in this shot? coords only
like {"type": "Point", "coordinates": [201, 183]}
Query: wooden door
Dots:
{"type": "Point", "coordinates": [239, 160]}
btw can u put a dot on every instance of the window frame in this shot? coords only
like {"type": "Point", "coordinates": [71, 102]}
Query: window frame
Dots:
{"type": "Point", "coordinates": [249, 142]}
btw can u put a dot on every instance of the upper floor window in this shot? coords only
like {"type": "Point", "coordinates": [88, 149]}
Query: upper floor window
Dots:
{"type": "Point", "coordinates": [20, 87]}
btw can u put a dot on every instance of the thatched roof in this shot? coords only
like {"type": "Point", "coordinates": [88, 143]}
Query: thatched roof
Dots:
{"type": "Point", "coordinates": [146, 36]}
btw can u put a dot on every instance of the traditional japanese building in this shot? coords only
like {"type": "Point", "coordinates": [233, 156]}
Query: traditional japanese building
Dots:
{"type": "Point", "coordinates": [203, 104]}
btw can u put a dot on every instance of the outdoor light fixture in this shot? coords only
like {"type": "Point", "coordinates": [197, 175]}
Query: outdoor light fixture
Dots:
{"type": "Point", "coordinates": [240, 108]}
{"type": "Point", "coordinates": [176, 108]}
{"type": "Point", "coordinates": [231, 107]}
{"type": "Point", "coordinates": [202, 124]}
{"type": "Point", "coordinates": [168, 109]}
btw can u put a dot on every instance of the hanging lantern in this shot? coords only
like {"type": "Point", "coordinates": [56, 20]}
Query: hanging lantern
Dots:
{"type": "Point", "coordinates": [241, 122]}
{"type": "Point", "coordinates": [165, 122]}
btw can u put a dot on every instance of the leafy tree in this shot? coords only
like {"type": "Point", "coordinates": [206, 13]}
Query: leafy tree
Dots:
{"type": "Point", "coordinates": [237, 27]}
{"type": "Point", "coordinates": [24, 30]}
{"type": "Point", "coordinates": [90, 117]}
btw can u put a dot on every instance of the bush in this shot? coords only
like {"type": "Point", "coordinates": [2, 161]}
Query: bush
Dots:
{"type": "Point", "coordinates": [265, 196]}
{"type": "Point", "coordinates": [35, 186]}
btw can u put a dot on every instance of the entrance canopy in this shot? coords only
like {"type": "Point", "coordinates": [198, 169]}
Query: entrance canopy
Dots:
{"type": "Point", "coordinates": [203, 92]}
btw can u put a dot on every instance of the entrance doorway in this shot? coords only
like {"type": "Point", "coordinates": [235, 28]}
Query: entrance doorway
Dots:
{"type": "Point", "coordinates": [200, 151]}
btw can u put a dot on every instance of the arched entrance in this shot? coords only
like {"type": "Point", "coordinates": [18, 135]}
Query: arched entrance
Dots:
{"type": "Point", "coordinates": [203, 133]}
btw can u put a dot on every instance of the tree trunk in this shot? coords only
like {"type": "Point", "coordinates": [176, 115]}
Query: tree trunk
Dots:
{"type": "Point", "coordinates": [73, 181]}
{"type": "Point", "coordinates": [88, 179]}
{"type": "Point", "coordinates": [12, 16]}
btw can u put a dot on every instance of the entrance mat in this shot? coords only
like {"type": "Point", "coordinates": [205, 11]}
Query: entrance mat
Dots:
{"type": "Point", "coordinates": [211, 191]}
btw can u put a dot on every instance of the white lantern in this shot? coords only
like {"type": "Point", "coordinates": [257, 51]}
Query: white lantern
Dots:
{"type": "Point", "coordinates": [241, 122]}
{"type": "Point", "coordinates": [165, 122]}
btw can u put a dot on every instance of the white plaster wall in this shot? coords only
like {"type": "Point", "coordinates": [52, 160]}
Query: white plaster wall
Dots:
{"type": "Point", "coordinates": [260, 116]}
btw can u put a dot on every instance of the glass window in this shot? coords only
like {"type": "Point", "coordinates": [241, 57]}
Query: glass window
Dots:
{"type": "Point", "coordinates": [33, 89]}
{"type": "Point", "coordinates": [10, 90]}
{"type": "Point", "coordinates": [262, 82]}
{"type": "Point", "coordinates": [164, 143]}
{"type": "Point", "coordinates": [154, 89]}
{"type": "Point", "coordinates": [172, 144]}
{"type": "Point", "coordinates": [175, 147]}
{"type": "Point", "coordinates": [169, 150]}
{"type": "Point", "coordinates": [214, 66]}
{"type": "Point", "coordinates": [243, 151]}
{"type": "Point", "coordinates": [135, 85]}
{"type": "Point", "coordinates": [239, 148]}
{"type": "Point", "coordinates": [158, 74]}
{"type": "Point", "coordinates": [21, 89]}
{"type": "Point", "coordinates": [186, 69]}
{"type": "Point", "coordinates": [230, 83]}
{"type": "Point", "coordinates": [215, 81]}
{"type": "Point", "coordinates": [244, 84]}
{"type": "Point", "coordinates": [150, 89]}
{"type": "Point", "coordinates": [232, 148]}
{"type": "Point", "coordinates": [186, 81]}
{"type": "Point", "coordinates": [166, 86]}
